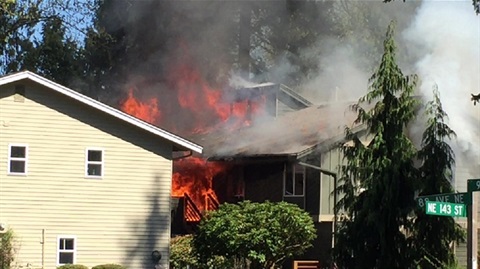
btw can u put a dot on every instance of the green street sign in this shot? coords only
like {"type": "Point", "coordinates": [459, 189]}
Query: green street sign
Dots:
{"type": "Point", "coordinates": [473, 185]}
{"type": "Point", "coordinates": [457, 198]}
{"type": "Point", "coordinates": [446, 209]}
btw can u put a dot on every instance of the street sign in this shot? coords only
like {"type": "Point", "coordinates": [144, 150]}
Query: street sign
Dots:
{"type": "Point", "coordinates": [473, 185]}
{"type": "Point", "coordinates": [446, 209]}
{"type": "Point", "coordinates": [457, 198]}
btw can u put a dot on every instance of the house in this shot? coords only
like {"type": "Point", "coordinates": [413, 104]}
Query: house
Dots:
{"type": "Point", "coordinates": [82, 182]}
{"type": "Point", "coordinates": [293, 157]}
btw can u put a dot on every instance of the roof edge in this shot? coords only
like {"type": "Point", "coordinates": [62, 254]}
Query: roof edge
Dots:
{"type": "Point", "coordinates": [102, 107]}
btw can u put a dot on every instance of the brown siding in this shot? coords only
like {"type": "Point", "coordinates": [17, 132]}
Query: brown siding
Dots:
{"type": "Point", "coordinates": [264, 182]}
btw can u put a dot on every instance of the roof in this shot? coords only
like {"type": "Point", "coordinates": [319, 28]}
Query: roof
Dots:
{"type": "Point", "coordinates": [295, 134]}
{"type": "Point", "coordinates": [177, 140]}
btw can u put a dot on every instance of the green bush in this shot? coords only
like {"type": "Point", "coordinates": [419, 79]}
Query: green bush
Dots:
{"type": "Point", "coordinates": [7, 251]}
{"type": "Point", "coordinates": [109, 266]}
{"type": "Point", "coordinates": [72, 266]}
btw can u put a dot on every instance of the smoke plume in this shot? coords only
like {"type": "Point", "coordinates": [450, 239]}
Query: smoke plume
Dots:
{"type": "Point", "coordinates": [445, 38]}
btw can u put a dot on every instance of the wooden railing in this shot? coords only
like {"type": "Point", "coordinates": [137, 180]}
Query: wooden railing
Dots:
{"type": "Point", "coordinates": [211, 202]}
{"type": "Point", "coordinates": [190, 210]}
{"type": "Point", "coordinates": [306, 264]}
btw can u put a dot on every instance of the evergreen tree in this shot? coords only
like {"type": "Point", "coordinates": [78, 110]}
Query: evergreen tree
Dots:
{"type": "Point", "coordinates": [432, 236]}
{"type": "Point", "coordinates": [379, 183]}
{"type": "Point", "coordinates": [56, 56]}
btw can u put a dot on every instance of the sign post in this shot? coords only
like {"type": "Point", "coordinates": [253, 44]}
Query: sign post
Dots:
{"type": "Point", "coordinates": [472, 186]}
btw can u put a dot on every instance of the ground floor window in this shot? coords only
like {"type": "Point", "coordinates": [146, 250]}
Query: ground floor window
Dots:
{"type": "Point", "coordinates": [66, 250]}
{"type": "Point", "coordinates": [294, 180]}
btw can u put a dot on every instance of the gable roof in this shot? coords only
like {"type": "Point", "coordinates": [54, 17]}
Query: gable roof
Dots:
{"type": "Point", "coordinates": [179, 141]}
{"type": "Point", "coordinates": [295, 134]}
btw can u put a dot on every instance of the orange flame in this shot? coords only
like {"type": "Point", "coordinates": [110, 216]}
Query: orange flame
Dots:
{"type": "Point", "coordinates": [198, 108]}
{"type": "Point", "coordinates": [147, 111]}
{"type": "Point", "coordinates": [194, 176]}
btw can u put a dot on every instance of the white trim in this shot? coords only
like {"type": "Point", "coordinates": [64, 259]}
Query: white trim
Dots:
{"type": "Point", "coordinates": [17, 159]}
{"type": "Point", "coordinates": [304, 172]}
{"type": "Point", "coordinates": [101, 163]}
{"type": "Point", "coordinates": [102, 107]}
{"type": "Point", "coordinates": [74, 237]}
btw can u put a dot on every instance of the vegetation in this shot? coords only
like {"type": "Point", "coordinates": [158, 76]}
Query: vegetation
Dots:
{"type": "Point", "coordinates": [265, 234]}
{"type": "Point", "coordinates": [432, 236]}
{"type": "Point", "coordinates": [181, 252]}
{"type": "Point", "coordinates": [7, 250]}
{"type": "Point", "coordinates": [72, 266]}
{"type": "Point", "coordinates": [381, 226]}
{"type": "Point", "coordinates": [109, 266]}
{"type": "Point", "coordinates": [182, 255]}
{"type": "Point", "coordinates": [379, 181]}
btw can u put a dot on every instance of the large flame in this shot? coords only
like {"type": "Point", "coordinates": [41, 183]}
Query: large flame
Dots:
{"type": "Point", "coordinates": [194, 176]}
{"type": "Point", "coordinates": [195, 107]}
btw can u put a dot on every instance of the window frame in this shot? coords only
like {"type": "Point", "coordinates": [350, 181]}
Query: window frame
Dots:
{"type": "Point", "coordinates": [74, 251]}
{"type": "Point", "coordinates": [101, 163]}
{"type": "Point", "coordinates": [10, 159]}
{"type": "Point", "coordinates": [293, 167]}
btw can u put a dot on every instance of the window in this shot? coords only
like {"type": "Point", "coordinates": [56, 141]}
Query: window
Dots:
{"type": "Point", "coordinates": [17, 159]}
{"type": "Point", "coordinates": [294, 180]}
{"type": "Point", "coordinates": [94, 163]}
{"type": "Point", "coordinates": [66, 250]}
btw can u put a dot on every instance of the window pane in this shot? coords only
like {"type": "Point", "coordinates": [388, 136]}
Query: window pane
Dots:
{"type": "Point", "coordinates": [62, 244]}
{"type": "Point", "coordinates": [289, 184]}
{"type": "Point", "coordinates": [299, 184]}
{"type": "Point", "coordinates": [69, 244]}
{"type": "Point", "coordinates": [17, 166]}
{"type": "Point", "coordinates": [18, 152]}
{"type": "Point", "coordinates": [65, 258]}
{"type": "Point", "coordinates": [95, 155]}
{"type": "Point", "coordinates": [94, 169]}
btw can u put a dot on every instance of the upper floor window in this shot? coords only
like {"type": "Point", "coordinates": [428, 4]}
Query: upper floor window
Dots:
{"type": "Point", "coordinates": [94, 163]}
{"type": "Point", "coordinates": [294, 180]}
{"type": "Point", "coordinates": [17, 159]}
{"type": "Point", "coordinates": [66, 250]}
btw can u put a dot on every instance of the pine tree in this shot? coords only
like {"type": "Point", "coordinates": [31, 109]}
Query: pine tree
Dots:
{"type": "Point", "coordinates": [432, 236]}
{"type": "Point", "coordinates": [379, 183]}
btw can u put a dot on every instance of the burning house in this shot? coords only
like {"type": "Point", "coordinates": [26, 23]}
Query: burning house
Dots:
{"type": "Point", "coordinates": [272, 144]}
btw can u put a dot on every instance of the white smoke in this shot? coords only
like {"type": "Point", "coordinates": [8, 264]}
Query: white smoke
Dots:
{"type": "Point", "coordinates": [445, 38]}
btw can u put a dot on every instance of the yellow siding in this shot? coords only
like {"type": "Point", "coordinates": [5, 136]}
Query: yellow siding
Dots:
{"type": "Point", "coordinates": [120, 218]}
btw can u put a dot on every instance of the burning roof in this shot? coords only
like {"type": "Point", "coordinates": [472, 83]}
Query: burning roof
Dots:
{"type": "Point", "coordinates": [293, 134]}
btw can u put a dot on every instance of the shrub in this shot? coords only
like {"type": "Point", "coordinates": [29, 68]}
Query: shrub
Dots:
{"type": "Point", "coordinates": [7, 251]}
{"type": "Point", "coordinates": [109, 266]}
{"type": "Point", "coordinates": [72, 266]}
{"type": "Point", "coordinates": [181, 254]}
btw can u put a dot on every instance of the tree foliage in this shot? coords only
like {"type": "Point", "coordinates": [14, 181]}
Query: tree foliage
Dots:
{"type": "Point", "coordinates": [264, 233]}
{"type": "Point", "coordinates": [7, 249]}
{"type": "Point", "coordinates": [432, 236]}
{"type": "Point", "coordinates": [378, 186]}
{"type": "Point", "coordinates": [23, 28]}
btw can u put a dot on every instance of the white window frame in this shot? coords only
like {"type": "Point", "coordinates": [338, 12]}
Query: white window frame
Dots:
{"type": "Point", "coordinates": [304, 173]}
{"type": "Point", "coordinates": [10, 158]}
{"type": "Point", "coordinates": [74, 251]}
{"type": "Point", "coordinates": [87, 162]}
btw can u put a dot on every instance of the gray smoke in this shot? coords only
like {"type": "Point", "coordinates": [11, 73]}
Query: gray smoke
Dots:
{"type": "Point", "coordinates": [445, 39]}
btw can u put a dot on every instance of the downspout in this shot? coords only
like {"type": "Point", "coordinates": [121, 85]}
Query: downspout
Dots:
{"type": "Point", "coordinates": [334, 175]}
{"type": "Point", "coordinates": [43, 248]}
